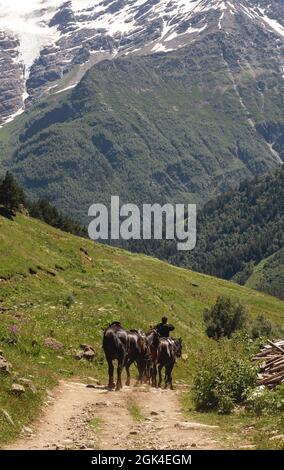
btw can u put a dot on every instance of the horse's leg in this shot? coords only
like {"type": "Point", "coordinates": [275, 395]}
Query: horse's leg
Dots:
{"type": "Point", "coordinates": [170, 378]}
{"type": "Point", "coordinates": [149, 369]}
{"type": "Point", "coordinates": [151, 374]}
{"type": "Point", "coordinates": [148, 373]}
{"type": "Point", "coordinates": [145, 372]}
{"type": "Point", "coordinates": [111, 383]}
{"type": "Point", "coordinates": [127, 367]}
{"type": "Point", "coordinates": [141, 368]}
{"type": "Point", "coordinates": [160, 375]}
{"type": "Point", "coordinates": [120, 362]}
{"type": "Point", "coordinates": [166, 377]}
{"type": "Point", "coordinates": [154, 375]}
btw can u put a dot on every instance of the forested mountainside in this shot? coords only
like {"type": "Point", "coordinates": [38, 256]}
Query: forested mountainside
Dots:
{"type": "Point", "coordinates": [236, 232]}
{"type": "Point", "coordinates": [268, 275]}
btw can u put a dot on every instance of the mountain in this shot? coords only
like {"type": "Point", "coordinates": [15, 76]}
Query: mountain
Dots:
{"type": "Point", "coordinates": [66, 289]}
{"type": "Point", "coordinates": [268, 275]}
{"type": "Point", "coordinates": [47, 45]}
{"type": "Point", "coordinates": [239, 236]}
{"type": "Point", "coordinates": [178, 126]}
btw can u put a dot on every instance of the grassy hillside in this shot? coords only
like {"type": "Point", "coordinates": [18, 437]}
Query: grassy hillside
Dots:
{"type": "Point", "coordinates": [268, 276]}
{"type": "Point", "coordinates": [41, 267]}
{"type": "Point", "coordinates": [166, 127]}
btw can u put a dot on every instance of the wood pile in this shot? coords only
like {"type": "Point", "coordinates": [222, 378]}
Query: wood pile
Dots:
{"type": "Point", "coordinates": [272, 367]}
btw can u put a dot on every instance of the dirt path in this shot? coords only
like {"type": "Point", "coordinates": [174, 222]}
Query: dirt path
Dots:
{"type": "Point", "coordinates": [79, 417]}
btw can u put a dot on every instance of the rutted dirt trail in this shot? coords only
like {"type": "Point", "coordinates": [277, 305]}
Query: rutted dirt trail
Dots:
{"type": "Point", "coordinates": [77, 416]}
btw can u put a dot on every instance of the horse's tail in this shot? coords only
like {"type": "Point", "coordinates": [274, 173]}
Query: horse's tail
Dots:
{"type": "Point", "coordinates": [132, 346]}
{"type": "Point", "coordinates": [164, 354]}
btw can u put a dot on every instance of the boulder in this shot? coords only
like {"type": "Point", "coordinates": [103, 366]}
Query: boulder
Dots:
{"type": "Point", "coordinates": [79, 355]}
{"type": "Point", "coordinates": [5, 366]}
{"type": "Point", "coordinates": [87, 353]}
{"type": "Point", "coordinates": [17, 390]}
{"type": "Point", "coordinates": [279, 437]}
{"type": "Point", "coordinates": [7, 417]}
{"type": "Point", "coordinates": [27, 430]}
{"type": "Point", "coordinates": [188, 425]}
{"type": "Point", "coordinates": [28, 383]}
{"type": "Point", "coordinates": [52, 343]}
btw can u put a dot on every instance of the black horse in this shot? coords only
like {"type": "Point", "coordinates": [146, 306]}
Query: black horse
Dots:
{"type": "Point", "coordinates": [153, 341]}
{"type": "Point", "coordinates": [137, 352]}
{"type": "Point", "coordinates": [169, 350]}
{"type": "Point", "coordinates": [115, 348]}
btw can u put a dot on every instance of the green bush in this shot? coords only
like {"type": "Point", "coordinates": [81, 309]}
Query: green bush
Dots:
{"type": "Point", "coordinates": [69, 301]}
{"type": "Point", "coordinates": [11, 194]}
{"type": "Point", "coordinates": [224, 318]}
{"type": "Point", "coordinates": [224, 378]}
{"type": "Point", "coordinates": [264, 401]}
{"type": "Point", "coordinates": [261, 327]}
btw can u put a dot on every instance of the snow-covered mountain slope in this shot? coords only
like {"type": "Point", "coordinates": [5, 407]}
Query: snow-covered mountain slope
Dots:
{"type": "Point", "coordinates": [47, 45]}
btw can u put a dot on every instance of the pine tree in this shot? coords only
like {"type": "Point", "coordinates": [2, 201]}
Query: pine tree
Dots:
{"type": "Point", "coordinates": [11, 194]}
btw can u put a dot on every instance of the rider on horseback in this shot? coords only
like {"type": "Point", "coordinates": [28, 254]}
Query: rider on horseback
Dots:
{"type": "Point", "coordinates": [164, 328]}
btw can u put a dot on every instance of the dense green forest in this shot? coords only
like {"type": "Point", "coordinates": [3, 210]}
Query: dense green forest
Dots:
{"type": "Point", "coordinates": [235, 232]}
{"type": "Point", "coordinates": [268, 275]}
{"type": "Point", "coordinates": [13, 199]}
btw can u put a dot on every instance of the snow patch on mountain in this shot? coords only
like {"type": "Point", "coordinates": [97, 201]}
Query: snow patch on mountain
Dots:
{"type": "Point", "coordinates": [272, 23]}
{"type": "Point", "coordinates": [28, 21]}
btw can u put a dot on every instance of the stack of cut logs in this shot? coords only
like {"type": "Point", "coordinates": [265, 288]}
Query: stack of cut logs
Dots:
{"type": "Point", "coordinates": [272, 367]}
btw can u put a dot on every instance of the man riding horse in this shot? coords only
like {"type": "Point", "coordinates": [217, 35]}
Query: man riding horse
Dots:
{"type": "Point", "coordinates": [164, 328]}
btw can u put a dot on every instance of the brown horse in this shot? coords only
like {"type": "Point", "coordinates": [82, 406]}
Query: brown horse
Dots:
{"type": "Point", "coordinates": [153, 340]}
{"type": "Point", "coordinates": [115, 348]}
{"type": "Point", "coordinates": [137, 351]}
{"type": "Point", "coordinates": [169, 350]}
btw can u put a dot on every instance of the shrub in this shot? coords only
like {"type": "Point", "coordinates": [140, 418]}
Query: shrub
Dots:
{"type": "Point", "coordinates": [264, 401]}
{"type": "Point", "coordinates": [261, 327]}
{"type": "Point", "coordinates": [224, 318]}
{"type": "Point", "coordinates": [69, 301]}
{"type": "Point", "coordinates": [224, 378]}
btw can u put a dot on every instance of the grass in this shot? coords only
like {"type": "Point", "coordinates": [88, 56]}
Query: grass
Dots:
{"type": "Point", "coordinates": [96, 423]}
{"type": "Point", "coordinates": [106, 284]}
{"type": "Point", "coordinates": [241, 429]}
{"type": "Point", "coordinates": [96, 428]}
{"type": "Point", "coordinates": [135, 411]}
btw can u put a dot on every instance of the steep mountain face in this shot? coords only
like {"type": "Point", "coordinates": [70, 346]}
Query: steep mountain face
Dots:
{"type": "Point", "coordinates": [181, 126]}
{"type": "Point", "coordinates": [156, 124]}
{"type": "Point", "coordinates": [47, 45]}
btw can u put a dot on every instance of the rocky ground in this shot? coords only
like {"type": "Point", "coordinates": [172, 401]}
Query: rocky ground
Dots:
{"type": "Point", "coordinates": [80, 416]}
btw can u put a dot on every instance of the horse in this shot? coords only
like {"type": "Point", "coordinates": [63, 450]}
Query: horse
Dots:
{"type": "Point", "coordinates": [169, 350]}
{"type": "Point", "coordinates": [153, 339]}
{"type": "Point", "coordinates": [137, 351]}
{"type": "Point", "coordinates": [115, 348]}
